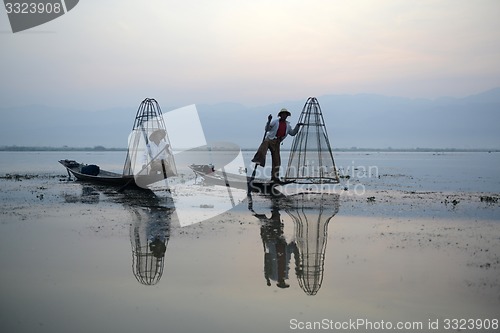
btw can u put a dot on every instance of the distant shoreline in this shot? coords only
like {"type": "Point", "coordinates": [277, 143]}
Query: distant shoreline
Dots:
{"type": "Point", "coordinates": [353, 149]}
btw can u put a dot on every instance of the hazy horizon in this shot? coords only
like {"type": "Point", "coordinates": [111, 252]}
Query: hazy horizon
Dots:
{"type": "Point", "coordinates": [363, 120]}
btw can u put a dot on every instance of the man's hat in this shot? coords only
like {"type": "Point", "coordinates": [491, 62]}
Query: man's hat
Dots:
{"type": "Point", "coordinates": [284, 111]}
{"type": "Point", "coordinates": [159, 133]}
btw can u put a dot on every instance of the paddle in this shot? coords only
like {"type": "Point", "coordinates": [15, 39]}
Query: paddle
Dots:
{"type": "Point", "coordinates": [249, 183]}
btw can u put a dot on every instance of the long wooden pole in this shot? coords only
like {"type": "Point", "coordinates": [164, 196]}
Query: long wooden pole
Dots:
{"type": "Point", "coordinates": [252, 177]}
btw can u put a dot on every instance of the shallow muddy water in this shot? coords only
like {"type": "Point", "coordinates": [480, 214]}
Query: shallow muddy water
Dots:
{"type": "Point", "coordinates": [77, 257]}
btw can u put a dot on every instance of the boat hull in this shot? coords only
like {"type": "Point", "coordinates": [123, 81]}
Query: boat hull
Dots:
{"type": "Point", "coordinates": [242, 182]}
{"type": "Point", "coordinates": [103, 177]}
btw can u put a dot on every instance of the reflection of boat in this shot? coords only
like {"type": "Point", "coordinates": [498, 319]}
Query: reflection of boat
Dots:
{"type": "Point", "coordinates": [94, 174]}
{"type": "Point", "coordinates": [240, 181]}
{"type": "Point", "coordinates": [150, 219]}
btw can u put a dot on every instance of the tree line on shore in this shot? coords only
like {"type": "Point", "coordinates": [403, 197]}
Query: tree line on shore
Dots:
{"type": "Point", "coordinates": [351, 149]}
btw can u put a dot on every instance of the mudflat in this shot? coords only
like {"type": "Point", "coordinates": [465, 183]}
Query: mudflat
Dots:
{"type": "Point", "coordinates": [79, 257]}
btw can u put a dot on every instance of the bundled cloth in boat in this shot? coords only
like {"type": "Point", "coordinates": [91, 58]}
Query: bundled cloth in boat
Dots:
{"type": "Point", "coordinates": [92, 170]}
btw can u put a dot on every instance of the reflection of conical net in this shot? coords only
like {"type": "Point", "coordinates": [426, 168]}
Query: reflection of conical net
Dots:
{"type": "Point", "coordinates": [148, 119]}
{"type": "Point", "coordinates": [149, 243]}
{"type": "Point", "coordinates": [311, 218]}
{"type": "Point", "coordinates": [311, 158]}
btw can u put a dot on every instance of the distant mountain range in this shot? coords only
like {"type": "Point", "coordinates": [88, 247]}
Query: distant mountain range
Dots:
{"type": "Point", "coordinates": [362, 120]}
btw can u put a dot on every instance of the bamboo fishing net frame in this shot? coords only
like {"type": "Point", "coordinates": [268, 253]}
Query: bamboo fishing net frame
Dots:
{"type": "Point", "coordinates": [311, 158]}
{"type": "Point", "coordinates": [148, 119]}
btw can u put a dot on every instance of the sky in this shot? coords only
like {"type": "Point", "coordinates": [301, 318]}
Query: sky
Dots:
{"type": "Point", "coordinates": [114, 53]}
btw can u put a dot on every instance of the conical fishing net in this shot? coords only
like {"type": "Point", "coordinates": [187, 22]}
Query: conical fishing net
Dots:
{"type": "Point", "coordinates": [311, 158]}
{"type": "Point", "coordinates": [149, 154]}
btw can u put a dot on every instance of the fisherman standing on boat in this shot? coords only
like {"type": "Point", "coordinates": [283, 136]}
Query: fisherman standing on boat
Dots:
{"type": "Point", "coordinates": [157, 153]}
{"type": "Point", "coordinates": [276, 131]}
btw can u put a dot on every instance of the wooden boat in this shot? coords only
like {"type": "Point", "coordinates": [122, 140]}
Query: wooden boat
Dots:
{"type": "Point", "coordinates": [243, 182]}
{"type": "Point", "coordinates": [208, 172]}
{"type": "Point", "coordinates": [99, 176]}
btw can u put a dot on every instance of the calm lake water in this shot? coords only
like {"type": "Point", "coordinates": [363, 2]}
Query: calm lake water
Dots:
{"type": "Point", "coordinates": [470, 171]}
{"type": "Point", "coordinates": [81, 258]}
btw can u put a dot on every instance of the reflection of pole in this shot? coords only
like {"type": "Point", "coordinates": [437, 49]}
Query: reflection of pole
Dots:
{"type": "Point", "coordinates": [311, 234]}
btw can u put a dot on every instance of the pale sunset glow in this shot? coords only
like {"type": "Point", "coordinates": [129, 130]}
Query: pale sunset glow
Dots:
{"type": "Point", "coordinates": [111, 53]}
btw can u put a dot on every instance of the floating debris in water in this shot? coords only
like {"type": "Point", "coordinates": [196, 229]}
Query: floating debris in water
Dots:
{"type": "Point", "coordinates": [489, 199]}
{"type": "Point", "coordinates": [454, 202]}
{"type": "Point", "coordinates": [17, 177]}
{"type": "Point", "coordinates": [206, 206]}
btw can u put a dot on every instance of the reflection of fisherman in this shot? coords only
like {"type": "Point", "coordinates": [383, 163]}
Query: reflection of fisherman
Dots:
{"type": "Point", "coordinates": [158, 232]}
{"type": "Point", "coordinates": [277, 252]}
{"type": "Point", "coordinates": [157, 153]}
{"type": "Point", "coordinates": [158, 248]}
